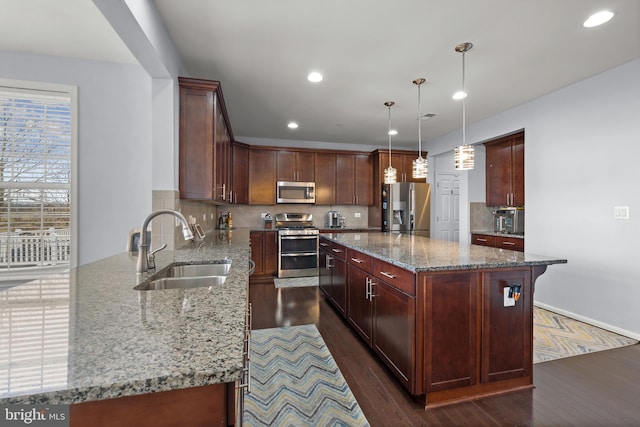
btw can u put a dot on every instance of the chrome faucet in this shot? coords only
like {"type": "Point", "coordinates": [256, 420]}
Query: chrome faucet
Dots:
{"type": "Point", "coordinates": [143, 260]}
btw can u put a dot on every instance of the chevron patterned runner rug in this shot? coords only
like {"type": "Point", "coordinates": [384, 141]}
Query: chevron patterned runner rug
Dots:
{"type": "Point", "coordinates": [296, 382]}
{"type": "Point", "coordinates": [556, 336]}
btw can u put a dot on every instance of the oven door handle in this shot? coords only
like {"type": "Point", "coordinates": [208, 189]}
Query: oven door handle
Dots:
{"type": "Point", "coordinates": [299, 254]}
{"type": "Point", "coordinates": [298, 237]}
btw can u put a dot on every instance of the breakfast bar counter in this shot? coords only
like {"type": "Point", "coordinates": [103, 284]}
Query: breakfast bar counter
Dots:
{"type": "Point", "coordinates": [452, 322]}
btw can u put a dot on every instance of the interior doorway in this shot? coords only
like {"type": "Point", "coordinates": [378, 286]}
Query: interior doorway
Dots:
{"type": "Point", "coordinates": [447, 192]}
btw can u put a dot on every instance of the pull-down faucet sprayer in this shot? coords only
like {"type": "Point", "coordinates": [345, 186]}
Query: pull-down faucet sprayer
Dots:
{"type": "Point", "coordinates": [143, 260]}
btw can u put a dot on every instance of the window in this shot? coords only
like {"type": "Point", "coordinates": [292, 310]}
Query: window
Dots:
{"type": "Point", "coordinates": [36, 129]}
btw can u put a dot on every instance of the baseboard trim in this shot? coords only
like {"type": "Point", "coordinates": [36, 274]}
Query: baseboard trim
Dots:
{"type": "Point", "coordinates": [589, 321]}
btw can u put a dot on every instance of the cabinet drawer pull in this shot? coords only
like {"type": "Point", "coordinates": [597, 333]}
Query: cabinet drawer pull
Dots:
{"type": "Point", "coordinates": [389, 275]}
{"type": "Point", "coordinates": [324, 244]}
{"type": "Point", "coordinates": [508, 243]}
{"type": "Point", "coordinates": [338, 251]}
{"type": "Point", "coordinates": [359, 261]}
{"type": "Point", "coordinates": [481, 240]}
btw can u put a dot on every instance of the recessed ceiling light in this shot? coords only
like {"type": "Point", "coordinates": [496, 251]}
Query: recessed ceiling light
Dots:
{"type": "Point", "coordinates": [598, 18]}
{"type": "Point", "coordinates": [459, 95]}
{"type": "Point", "coordinates": [393, 132]}
{"type": "Point", "coordinates": [292, 125]}
{"type": "Point", "coordinates": [315, 77]}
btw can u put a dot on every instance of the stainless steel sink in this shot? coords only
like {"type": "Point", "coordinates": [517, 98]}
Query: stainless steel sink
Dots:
{"type": "Point", "coordinates": [185, 276]}
{"type": "Point", "coordinates": [193, 270]}
{"type": "Point", "coordinates": [181, 283]}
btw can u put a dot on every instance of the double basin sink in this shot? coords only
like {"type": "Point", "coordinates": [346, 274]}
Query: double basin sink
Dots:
{"type": "Point", "coordinates": [185, 276]}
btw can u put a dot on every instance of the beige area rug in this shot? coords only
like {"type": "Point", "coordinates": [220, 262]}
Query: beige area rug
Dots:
{"type": "Point", "coordinates": [556, 336]}
{"type": "Point", "coordinates": [296, 282]}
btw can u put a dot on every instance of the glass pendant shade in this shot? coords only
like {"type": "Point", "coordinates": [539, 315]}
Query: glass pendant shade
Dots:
{"type": "Point", "coordinates": [390, 173]}
{"type": "Point", "coordinates": [463, 157]}
{"type": "Point", "coordinates": [464, 154]}
{"type": "Point", "coordinates": [420, 167]}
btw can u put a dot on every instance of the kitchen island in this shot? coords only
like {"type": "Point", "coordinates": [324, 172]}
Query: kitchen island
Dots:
{"type": "Point", "coordinates": [114, 344]}
{"type": "Point", "coordinates": [452, 322]}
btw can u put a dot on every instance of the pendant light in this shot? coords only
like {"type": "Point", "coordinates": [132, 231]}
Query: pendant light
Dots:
{"type": "Point", "coordinates": [420, 167]}
{"type": "Point", "coordinates": [390, 174]}
{"type": "Point", "coordinates": [464, 153]}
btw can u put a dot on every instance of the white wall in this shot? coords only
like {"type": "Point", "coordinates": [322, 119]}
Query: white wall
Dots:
{"type": "Point", "coordinates": [114, 144]}
{"type": "Point", "coordinates": [581, 149]}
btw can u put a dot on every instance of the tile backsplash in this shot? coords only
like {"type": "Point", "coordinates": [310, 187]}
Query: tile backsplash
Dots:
{"type": "Point", "coordinates": [250, 216]}
{"type": "Point", "coordinates": [481, 217]}
{"type": "Point", "coordinates": [166, 230]}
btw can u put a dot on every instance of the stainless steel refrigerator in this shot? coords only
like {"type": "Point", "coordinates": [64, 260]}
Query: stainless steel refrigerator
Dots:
{"type": "Point", "coordinates": [406, 208]}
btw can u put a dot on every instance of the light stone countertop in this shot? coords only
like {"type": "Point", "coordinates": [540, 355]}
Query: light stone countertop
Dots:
{"type": "Point", "coordinates": [420, 254]}
{"type": "Point", "coordinates": [109, 340]}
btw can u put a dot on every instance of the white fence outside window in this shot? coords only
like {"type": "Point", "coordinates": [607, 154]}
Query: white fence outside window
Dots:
{"type": "Point", "coordinates": [35, 249]}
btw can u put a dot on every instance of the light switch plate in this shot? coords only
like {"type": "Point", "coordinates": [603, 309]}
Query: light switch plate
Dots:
{"type": "Point", "coordinates": [621, 212]}
{"type": "Point", "coordinates": [508, 302]}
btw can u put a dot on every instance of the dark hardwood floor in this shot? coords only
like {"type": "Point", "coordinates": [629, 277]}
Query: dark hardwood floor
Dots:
{"type": "Point", "coordinates": [597, 389]}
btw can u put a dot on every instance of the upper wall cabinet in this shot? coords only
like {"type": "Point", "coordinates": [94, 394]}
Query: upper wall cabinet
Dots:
{"type": "Point", "coordinates": [262, 176]}
{"type": "Point", "coordinates": [505, 171]}
{"type": "Point", "coordinates": [295, 166]}
{"type": "Point", "coordinates": [240, 173]}
{"type": "Point", "coordinates": [356, 178]}
{"type": "Point", "coordinates": [205, 142]}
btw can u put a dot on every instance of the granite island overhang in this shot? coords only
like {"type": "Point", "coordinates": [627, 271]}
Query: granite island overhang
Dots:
{"type": "Point", "coordinates": [452, 322]}
{"type": "Point", "coordinates": [115, 341]}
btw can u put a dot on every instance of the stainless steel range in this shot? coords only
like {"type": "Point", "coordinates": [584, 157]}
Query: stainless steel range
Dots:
{"type": "Point", "coordinates": [297, 245]}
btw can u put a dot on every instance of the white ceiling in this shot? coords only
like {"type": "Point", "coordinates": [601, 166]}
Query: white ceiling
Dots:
{"type": "Point", "coordinates": [369, 51]}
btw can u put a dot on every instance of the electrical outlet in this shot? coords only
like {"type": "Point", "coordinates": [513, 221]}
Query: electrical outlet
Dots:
{"type": "Point", "coordinates": [508, 301]}
{"type": "Point", "coordinates": [357, 214]}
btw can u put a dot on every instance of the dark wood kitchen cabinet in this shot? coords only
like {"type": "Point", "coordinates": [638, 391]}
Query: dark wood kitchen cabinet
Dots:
{"type": "Point", "coordinates": [333, 274]}
{"type": "Point", "coordinates": [382, 312]}
{"type": "Point", "coordinates": [325, 164]}
{"type": "Point", "coordinates": [211, 405]}
{"type": "Point", "coordinates": [505, 171]}
{"type": "Point", "coordinates": [506, 327]}
{"type": "Point", "coordinates": [205, 141]}
{"type": "Point", "coordinates": [298, 166]}
{"type": "Point", "coordinates": [264, 253]}
{"type": "Point", "coordinates": [450, 306]}
{"type": "Point", "coordinates": [502, 242]}
{"type": "Point", "coordinates": [262, 177]}
{"type": "Point", "coordinates": [240, 173]}
{"type": "Point", "coordinates": [354, 179]}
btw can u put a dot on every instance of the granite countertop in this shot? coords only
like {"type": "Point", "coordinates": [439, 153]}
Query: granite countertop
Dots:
{"type": "Point", "coordinates": [493, 233]}
{"type": "Point", "coordinates": [109, 340]}
{"type": "Point", "coordinates": [420, 254]}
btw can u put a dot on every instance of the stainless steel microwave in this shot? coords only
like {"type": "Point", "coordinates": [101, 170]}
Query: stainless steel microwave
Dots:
{"type": "Point", "coordinates": [295, 192]}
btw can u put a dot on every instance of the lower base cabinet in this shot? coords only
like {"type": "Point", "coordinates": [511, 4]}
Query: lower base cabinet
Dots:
{"type": "Point", "coordinates": [264, 252]}
{"type": "Point", "coordinates": [333, 274]}
{"type": "Point", "coordinates": [211, 405]}
{"type": "Point", "coordinates": [502, 242]}
{"type": "Point", "coordinates": [508, 327]}
{"type": "Point", "coordinates": [382, 315]}
{"type": "Point", "coordinates": [394, 331]}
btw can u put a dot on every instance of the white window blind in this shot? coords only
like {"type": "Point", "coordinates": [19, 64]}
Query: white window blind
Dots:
{"type": "Point", "coordinates": [34, 335]}
{"type": "Point", "coordinates": [35, 171]}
